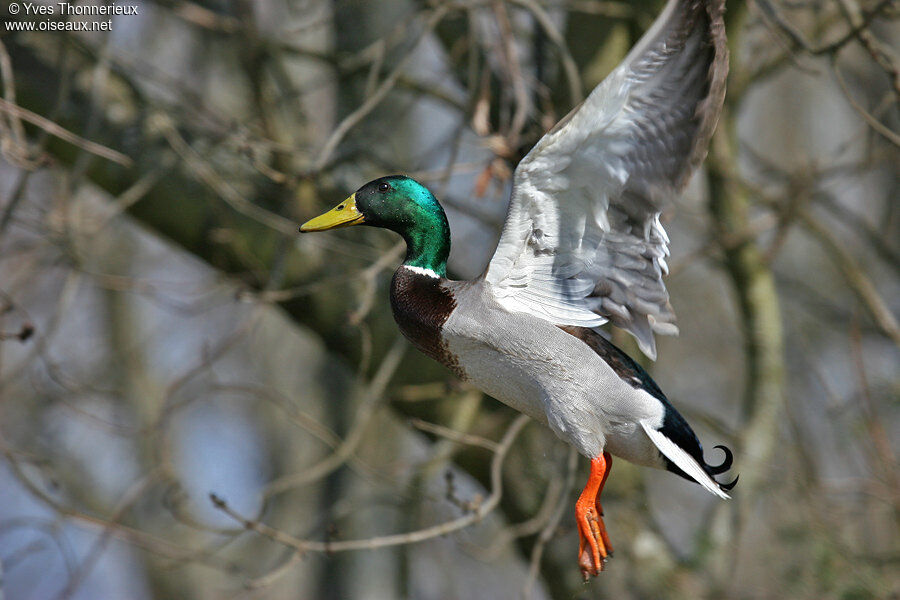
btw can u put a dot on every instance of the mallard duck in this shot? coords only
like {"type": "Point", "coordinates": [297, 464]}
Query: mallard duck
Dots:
{"type": "Point", "coordinates": [582, 245]}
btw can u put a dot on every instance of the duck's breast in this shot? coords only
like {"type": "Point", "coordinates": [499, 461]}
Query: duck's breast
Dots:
{"type": "Point", "coordinates": [421, 305]}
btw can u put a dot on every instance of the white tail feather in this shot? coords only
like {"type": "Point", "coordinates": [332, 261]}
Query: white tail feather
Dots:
{"type": "Point", "coordinates": [683, 461]}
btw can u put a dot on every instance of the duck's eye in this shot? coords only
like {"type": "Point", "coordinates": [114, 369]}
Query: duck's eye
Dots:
{"type": "Point", "coordinates": [383, 186]}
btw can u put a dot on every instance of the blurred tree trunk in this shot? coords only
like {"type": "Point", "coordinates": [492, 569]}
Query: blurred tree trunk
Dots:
{"type": "Point", "coordinates": [764, 377]}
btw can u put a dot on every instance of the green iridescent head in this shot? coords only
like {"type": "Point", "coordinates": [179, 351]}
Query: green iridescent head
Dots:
{"type": "Point", "coordinates": [400, 204]}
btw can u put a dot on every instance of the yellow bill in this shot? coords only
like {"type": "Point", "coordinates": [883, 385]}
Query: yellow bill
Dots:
{"type": "Point", "coordinates": [344, 214]}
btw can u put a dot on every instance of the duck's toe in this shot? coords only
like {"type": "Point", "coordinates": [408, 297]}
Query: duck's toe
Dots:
{"type": "Point", "coordinates": [592, 547]}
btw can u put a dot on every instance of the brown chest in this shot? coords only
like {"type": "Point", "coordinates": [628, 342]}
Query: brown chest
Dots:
{"type": "Point", "coordinates": [421, 306]}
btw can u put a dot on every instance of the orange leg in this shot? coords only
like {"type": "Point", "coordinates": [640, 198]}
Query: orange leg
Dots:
{"type": "Point", "coordinates": [593, 546]}
{"type": "Point", "coordinates": [608, 458]}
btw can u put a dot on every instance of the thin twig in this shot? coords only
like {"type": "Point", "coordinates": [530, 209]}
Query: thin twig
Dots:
{"type": "Point", "coordinates": [231, 196]}
{"type": "Point", "coordinates": [131, 496]}
{"type": "Point", "coordinates": [576, 93]}
{"type": "Point", "coordinates": [552, 524]}
{"type": "Point", "coordinates": [9, 92]}
{"type": "Point", "coordinates": [372, 397]}
{"type": "Point", "coordinates": [855, 276]}
{"type": "Point", "coordinates": [379, 94]}
{"type": "Point", "coordinates": [877, 125]}
{"type": "Point", "coordinates": [453, 435]}
{"type": "Point", "coordinates": [411, 537]}
{"type": "Point", "coordinates": [510, 56]}
{"type": "Point", "coordinates": [64, 134]}
{"type": "Point", "coordinates": [797, 40]}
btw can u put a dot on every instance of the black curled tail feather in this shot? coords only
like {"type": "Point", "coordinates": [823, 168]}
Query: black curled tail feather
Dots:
{"type": "Point", "coordinates": [725, 465]}
{"type": "Point", "coordinates": [676, 429]}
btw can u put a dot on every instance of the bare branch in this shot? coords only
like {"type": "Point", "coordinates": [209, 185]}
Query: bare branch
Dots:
{"type": "Point", "coordinates": [64, 134]}
{"type": "Point", "coordinates": [371, 399]}
{"type": "Point", "coordinates": [411, 537]}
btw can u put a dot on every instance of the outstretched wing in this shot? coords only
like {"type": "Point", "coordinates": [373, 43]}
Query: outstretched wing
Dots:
{"type": "Point", "coordinates": [582, 242]}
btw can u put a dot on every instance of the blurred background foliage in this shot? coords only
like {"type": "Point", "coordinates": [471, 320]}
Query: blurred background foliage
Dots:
{"type": "Point", "coordinates": [195, 402]}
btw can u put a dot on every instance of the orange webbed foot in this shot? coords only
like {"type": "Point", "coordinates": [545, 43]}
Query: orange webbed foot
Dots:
{"type": "Point", "coordinates": [594, 547]}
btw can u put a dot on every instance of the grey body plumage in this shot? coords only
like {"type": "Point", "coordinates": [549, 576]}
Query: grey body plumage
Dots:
{"type": "Point", "coordinates": [590, 393]}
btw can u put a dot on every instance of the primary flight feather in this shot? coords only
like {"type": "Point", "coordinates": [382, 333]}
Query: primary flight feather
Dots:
{"type": "Point", "coordinates": [582, 242]}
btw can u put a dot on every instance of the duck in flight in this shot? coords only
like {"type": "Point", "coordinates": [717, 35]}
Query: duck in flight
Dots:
{"type": "Point", "coordinates": [582, 245]}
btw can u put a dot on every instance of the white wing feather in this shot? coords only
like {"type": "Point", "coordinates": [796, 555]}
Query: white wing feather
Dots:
{"type": "Point", "coordinates": [582, 242]}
